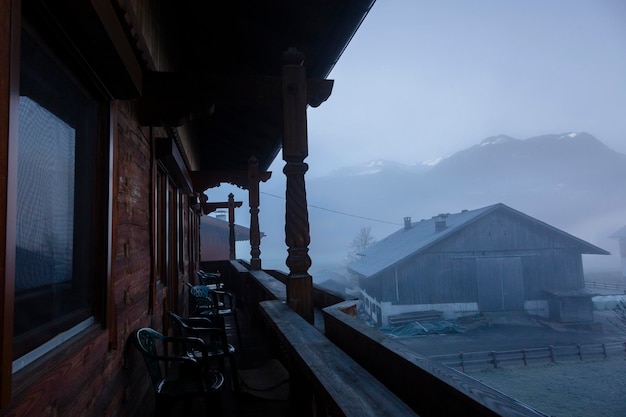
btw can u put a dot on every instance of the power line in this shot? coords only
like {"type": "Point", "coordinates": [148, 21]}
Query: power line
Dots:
{"type": "Point", "coordinates": [337, 212]}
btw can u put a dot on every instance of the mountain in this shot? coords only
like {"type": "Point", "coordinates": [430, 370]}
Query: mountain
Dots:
{"type": "Point", "coordinates": [377, 166]}
{"type": "Point", "coordinates": [571, 158]}
{"type": "Point", "coordinates": [571, 181]}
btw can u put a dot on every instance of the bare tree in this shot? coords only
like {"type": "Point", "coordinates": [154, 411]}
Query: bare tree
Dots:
{"type": "Point", "coordinates": [362, 240]}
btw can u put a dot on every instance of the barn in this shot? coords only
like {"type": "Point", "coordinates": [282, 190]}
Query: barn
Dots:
{"type": "Point", "coordinates": [492, 259]}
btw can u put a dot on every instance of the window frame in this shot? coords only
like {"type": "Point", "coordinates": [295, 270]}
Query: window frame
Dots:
{"type": "Point", "coordinates": [67, 57]}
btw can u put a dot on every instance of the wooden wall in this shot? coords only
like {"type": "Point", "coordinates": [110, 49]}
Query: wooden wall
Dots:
{"type": "Point", "coordinates": [84, 376]}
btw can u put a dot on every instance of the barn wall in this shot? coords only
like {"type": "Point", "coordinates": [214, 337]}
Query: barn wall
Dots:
{"type": "Point", "coordinates": [215, 244]}
{"type": "Point", "coordinates": [447, 272]}
{"type": "Point", "coordinates": [374, 285]}
{"type": "Point", "coordinates": [437, 278]}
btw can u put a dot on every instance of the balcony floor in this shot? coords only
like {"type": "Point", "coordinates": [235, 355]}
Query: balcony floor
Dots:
{"type": "Point", "coordinates": [254, 355]}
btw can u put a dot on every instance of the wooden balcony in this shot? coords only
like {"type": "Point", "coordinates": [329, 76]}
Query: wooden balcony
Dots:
{"type": "Point", "coordinates": [338, 366]}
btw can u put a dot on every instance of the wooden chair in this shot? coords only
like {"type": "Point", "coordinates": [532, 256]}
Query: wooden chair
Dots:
{"type": "Point", "coordinates": [193, 378]}
{"type": "Point", "coordinates": [217, 346]}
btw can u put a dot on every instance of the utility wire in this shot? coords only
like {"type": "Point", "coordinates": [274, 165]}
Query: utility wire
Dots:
{"type": "Point", "coordinates": [336, 211]}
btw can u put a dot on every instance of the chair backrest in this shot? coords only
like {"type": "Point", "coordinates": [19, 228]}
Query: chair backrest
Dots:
{"type": "Point", "coordinates": [213, 335]}
{"type": "Point", "coordinates": [209, 278]}
{"type": "Point", "coordinates": [180, 323]}
{"type": "Point", "coordinates": [200, 291]}
{"type": "Point", "coordinates": [202, 299]}
{"type": "Point", "coordinates": [148, 342]}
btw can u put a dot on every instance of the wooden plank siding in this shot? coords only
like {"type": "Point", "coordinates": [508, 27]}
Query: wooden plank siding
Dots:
{"type": "Point", "coordinates": [109, 382]}
{"type": "Point", "coordinates": [447, 271]}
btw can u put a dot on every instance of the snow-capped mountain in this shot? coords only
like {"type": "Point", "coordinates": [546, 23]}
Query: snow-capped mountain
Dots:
{"type": "Point", "coordinates": [569, 159]}
{"type": "Point", "coordinates": [570, 180]}
{"type": "Point", "coordinates": [374, 167]}
{"type": "Point", "coordinates": [498, 140]}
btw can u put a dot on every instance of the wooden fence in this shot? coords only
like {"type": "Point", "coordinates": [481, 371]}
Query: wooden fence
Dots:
{"type": "Point", "coordinates": [605, 286]}
{"type": "Point", "coordinates": [497, 359]}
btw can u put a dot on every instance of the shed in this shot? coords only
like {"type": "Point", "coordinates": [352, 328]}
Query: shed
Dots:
{"type": "Point", "coordinates": [492, 259]}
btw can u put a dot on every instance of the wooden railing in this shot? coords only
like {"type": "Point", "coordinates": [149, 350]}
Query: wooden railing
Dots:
{"type": "Point", "coordinates": [322, 374]}
{"type": "Point", "coordinates": [605, 286]}
{"type": "Point", "coordinates": [428, 387]}
{"type": "Point", "coordinates": [352, 368]}
{"type": "Point", "coordinates": [550, 354]}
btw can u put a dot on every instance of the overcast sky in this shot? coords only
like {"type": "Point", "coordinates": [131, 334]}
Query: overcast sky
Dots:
{"type": "Point", "coordinates": [423, 79]}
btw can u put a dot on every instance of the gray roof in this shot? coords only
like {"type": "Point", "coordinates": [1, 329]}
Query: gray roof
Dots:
{"type": "Point", "coordinates": [242, 233]}
{"type": "Point", "coordinates": [421, 235]}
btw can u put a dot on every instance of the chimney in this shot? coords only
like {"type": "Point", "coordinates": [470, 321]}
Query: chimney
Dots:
{"type": "Point", "coordinates": [407, 223]}
{"type": "Point", "coordinates": [440, 223]}
{"type": "Point", "coordinates": [220, 214]}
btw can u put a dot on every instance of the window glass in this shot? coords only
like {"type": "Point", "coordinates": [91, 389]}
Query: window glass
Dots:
{"type": "Point", "coordinates": [57, 144]}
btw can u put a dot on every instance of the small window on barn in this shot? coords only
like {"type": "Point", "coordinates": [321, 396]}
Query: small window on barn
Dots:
{"type": "Point", "coordinates": [60, 259]}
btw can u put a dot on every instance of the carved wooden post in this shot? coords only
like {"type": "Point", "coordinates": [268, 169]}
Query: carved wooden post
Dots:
{"type": "Point", "coordinates": [231, 225]}
{"type": "Point", "coordinates": [295, 150]}
{"type": "Point", "coordinates": [253, 197]}
{"type": "Point", "coordinates": [231, 204]}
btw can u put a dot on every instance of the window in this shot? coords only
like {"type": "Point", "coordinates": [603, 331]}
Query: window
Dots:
{"type": "Point", "coordinates": [169, 236]}
{"type": "Point", "coordinates": [60, 240]}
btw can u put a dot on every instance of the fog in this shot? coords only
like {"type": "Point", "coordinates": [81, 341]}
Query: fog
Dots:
{"type": "Point", "coordinates": [425, 80]}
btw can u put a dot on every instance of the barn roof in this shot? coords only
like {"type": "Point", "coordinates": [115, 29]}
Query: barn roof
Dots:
{"type": "Point", "coordinates": [423, 234]}
{"type": "Point", "coordinates": [221, 226]}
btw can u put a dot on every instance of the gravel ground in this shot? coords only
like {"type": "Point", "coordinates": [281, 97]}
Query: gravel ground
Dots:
{"type": "Point", "coordinates": [571, 389]}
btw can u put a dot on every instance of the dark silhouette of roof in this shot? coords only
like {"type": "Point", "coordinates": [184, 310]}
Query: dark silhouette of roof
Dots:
{"type": "Point", "coordinates": [216, 225]}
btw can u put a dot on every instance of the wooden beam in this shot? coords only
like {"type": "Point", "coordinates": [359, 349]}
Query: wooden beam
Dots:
{"type": "Point", "coordinates": [115, 31]}
{"type": "Point", "coordinates": [203, 180]}
{"type": "Point", "coordinates": [318, 91]}
{"type": "Point", "coordinates": [167, 152]}
{"type": "Point", "coordinates": [9, 96]}
{"type": "Point", "coordinates": [211, 207]}
{"type": "Point", "coordinates": [171, 98]}
{"type": "Point", "coordinates": [231, 225]}
{"type": "Point", "coordinates": [113, 215]}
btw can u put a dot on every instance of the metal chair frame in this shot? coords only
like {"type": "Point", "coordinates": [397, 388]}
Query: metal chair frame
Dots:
{"type": "Point", "coordinates": [215, 339]}
{"type": "Point", "coordinates": [193, 377]}
{"type": "Point", "coordinates": [214, 304]}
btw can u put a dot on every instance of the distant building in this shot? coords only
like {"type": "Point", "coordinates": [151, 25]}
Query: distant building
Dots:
{"type": "Point", "coordinates": [214, 238]}
{"type": "Point", "coordinates": [621, 235]}
{"type": "Point", "coordinates": [492, 259]}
